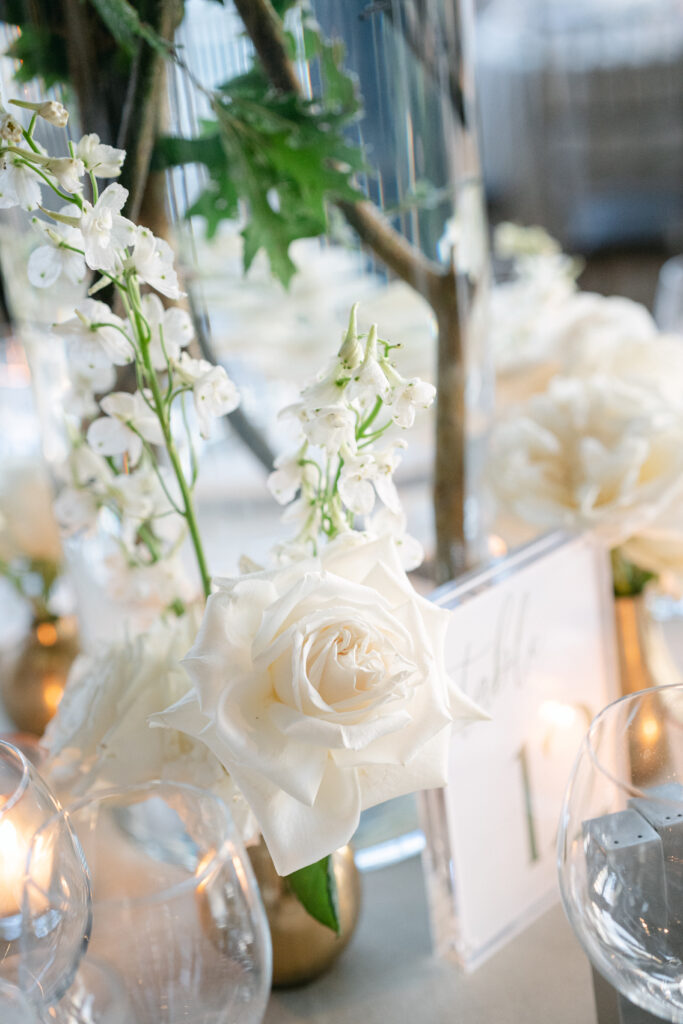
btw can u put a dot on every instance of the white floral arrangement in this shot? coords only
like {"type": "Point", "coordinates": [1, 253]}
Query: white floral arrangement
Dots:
{"type": "Point", "coordinates": [597, 442]}
{"type": "Point", "coordinates": [315, 687]}
{"type": "Point", "coordinates": [542, 324]}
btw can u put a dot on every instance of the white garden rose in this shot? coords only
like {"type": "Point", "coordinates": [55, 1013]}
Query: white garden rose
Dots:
{"type": "Point", "coordinates": [589, 453]}
{"type": "Point", "coordinates": [321, 687]}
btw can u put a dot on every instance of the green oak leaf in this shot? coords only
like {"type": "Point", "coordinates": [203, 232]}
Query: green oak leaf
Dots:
{"type": "Point", "coordinates": [280, 158]}
{"type": "Point", "coordinates": [316, 889]}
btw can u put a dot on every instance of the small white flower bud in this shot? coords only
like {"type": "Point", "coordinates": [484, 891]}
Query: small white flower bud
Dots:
{"type": "Point", "coordinates": [54, 113]}
{"type": "Point", "coordinates": [10, 129]}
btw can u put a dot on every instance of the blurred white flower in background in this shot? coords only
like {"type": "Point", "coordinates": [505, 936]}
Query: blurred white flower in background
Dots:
{"type": "Point", "coordinates": [588, 453]}
{"type": "Point", "coordinates": [27, 523]}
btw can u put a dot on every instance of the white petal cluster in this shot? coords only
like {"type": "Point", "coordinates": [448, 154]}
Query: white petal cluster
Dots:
{"type": "Point", "coordinates": [101, 160]}
{"type": "Point", "coordinates": [171, 330]}
{"type": "Point", "coordinates": [106, 233]}
{"type": "Point", "coordinates": [48, 262]}
{"type": "Point", "coordinates": [213, 392]}
{"type": "Point", "coordinates": [152, 259]}
{"type": "Point", "coordinates": [339, 468]}
{"type": "Point", "coordinates": [19, 185]}
{"type": "Point", "coordinates": [128, 423]}
{"type": "Point", "coordinates": [96, 338]}
{"type": "Point", "coordinates": [590, 453]}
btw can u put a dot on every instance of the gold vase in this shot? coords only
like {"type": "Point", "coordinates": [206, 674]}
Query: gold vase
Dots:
{"type": "Point", "coordinates": [645, 661]}
{"type": "Point", "coordinates": [33, 688]}
{"type": "Point", "coordinates": [303, 948]}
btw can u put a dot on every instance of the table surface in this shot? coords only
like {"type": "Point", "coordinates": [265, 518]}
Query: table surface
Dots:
{"type": "Point", "coordinates": [389, 975]}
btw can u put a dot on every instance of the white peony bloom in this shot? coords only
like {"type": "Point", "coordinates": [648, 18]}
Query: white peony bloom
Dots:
{"type": "Point", "coordinates": [174, 323]}
{"type": "Point", "coordinates": [406, 397]}
{"type": "Point", "coordinates": [593, 453]}
{"type": "Point", "coordinates": [128, 421]}
{"type": "Point", "coordinates": [19, 184]}
{"type": "Point", "coordinates": [104, 161]}
{"type": "Point", "coordinates": [67, 171]}
{"type": "Point", "coordinates": [95, 338]}
{"type": "Point", "coordinates": [650, 360]}
{"type": "Point", "coordinates": [105, 232]}
{"type": "Point", "coordinates": [152, 259]}
{"type": "Point", "coordinates": [337, 698]}
{"type": "Point", "coordinates": [101, 735]}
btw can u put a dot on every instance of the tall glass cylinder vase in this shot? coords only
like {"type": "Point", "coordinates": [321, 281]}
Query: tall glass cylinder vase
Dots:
{"type": "Point", "coordinates": [412, 249]}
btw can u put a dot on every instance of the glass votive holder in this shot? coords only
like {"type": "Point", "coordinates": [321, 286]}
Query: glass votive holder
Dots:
{"type": "Point", "coordinates": [44, 892]}
{"type": "Point", "coordinates": [179, 932]}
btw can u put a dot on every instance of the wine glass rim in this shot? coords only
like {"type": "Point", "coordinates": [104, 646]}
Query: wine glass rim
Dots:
{"type": "Point", "coordinates": [627, 787]}
{"type": "Point", "coordinates": [22, 784]}
{"type": "Point", "coordinates": [193, 881]}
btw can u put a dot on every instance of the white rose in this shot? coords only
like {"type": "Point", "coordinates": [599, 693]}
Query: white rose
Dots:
{"type": "Point", "coordinates": [594, 453]}
{"type": "Point", "coordinates": [321, 687]}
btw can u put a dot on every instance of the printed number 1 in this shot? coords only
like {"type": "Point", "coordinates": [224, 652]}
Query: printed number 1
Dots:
{"type": "Point", "coordinates": [528, 804]}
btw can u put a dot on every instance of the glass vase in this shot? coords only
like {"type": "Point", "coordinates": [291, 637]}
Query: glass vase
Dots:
{"type": "Point", "coordinates": [414, 254]}
{"type": "Point", "coordinates": [179, 932]}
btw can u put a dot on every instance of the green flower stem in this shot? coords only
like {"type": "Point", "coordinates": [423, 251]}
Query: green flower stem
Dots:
{"type": "Point", "coordinates": [147, 537]}
{"type": "Point", "coordinates": [372, 416]}
{"type": "Point", "coordinates": [133, 294]}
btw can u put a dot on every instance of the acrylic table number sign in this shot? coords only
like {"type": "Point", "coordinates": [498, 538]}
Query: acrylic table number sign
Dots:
{"type": "Point", "coordinates": [532, 640]}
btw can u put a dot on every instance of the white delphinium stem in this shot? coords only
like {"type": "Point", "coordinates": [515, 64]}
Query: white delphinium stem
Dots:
{"type": "Point", "coordinates": [96, 233]}
{"type": "Point", "coordinates": [337, 470]}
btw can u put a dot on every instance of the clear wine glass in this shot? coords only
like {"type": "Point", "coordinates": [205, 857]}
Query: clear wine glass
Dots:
{"type": "Point", "coordinates": [179, 932]}
{"type": "Point", "coordinates": [45, 909]}
{"type": "Point", "coordinates": [621, 848]}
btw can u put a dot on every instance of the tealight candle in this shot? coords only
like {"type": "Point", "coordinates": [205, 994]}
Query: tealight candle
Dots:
{"type": "Point", "coordinates": [14, 850]}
